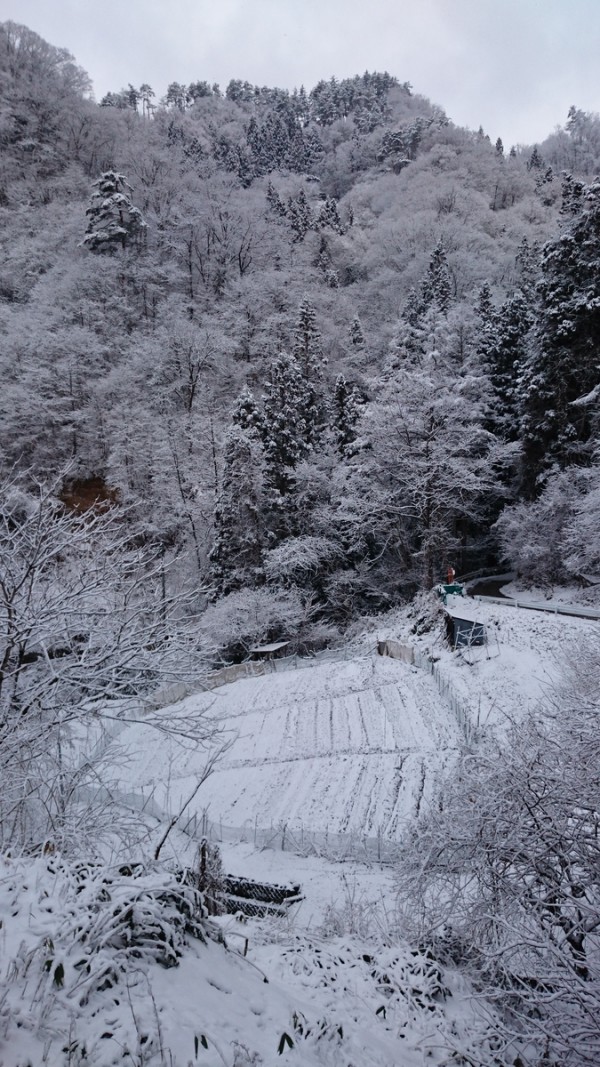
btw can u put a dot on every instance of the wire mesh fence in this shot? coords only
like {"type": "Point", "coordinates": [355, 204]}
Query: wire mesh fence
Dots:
{"type": "Point", "coordinates": [172, 694]}
{"type": "Point", "coordinates": [295, 838]}
{"type": "Point", "coordinates": [459, 707]}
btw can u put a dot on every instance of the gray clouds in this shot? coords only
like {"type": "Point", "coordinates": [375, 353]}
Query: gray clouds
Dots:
{"type": "Point", "coordinates": [514, 66]}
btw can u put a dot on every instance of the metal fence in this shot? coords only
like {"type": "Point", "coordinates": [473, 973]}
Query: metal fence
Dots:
{"type": "Point", "coordinates": [457, 705]}
{"type": "Point", "coordinates": [297, 839]}
{"type": "Point", "coordinates": [172, 694]}
{"type": "Point", "coordinates": [552, 607]}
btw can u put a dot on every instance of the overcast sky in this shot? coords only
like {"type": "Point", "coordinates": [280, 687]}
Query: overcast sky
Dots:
{"type": "Point", "coordinates": [512, 66]}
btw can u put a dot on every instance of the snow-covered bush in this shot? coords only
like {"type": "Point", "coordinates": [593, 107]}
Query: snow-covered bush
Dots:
{"type": "Point", "coordinates": [254, 616]}
{"type": "Point", "coordinates": [78, 940]}
{"type": "Point", "coordinates": [503, 876]}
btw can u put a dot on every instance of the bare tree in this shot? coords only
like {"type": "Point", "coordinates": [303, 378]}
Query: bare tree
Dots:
{"type": "Point", "coordinates": [87, 630]}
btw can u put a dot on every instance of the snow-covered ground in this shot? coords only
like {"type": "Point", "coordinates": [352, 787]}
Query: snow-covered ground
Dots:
{"type": "Point", "coordinates": [349, 747]}
{"type": "Point", "coordinates": [342, 989]}
{"type": "Point", "coordinates": [525, 655]}
{"type": "Point", "coordinates": [585, 594]}
{"type": "Point", "coordinates": [343, 747]}
{"type": "Point", "coordinates": [316, 755]}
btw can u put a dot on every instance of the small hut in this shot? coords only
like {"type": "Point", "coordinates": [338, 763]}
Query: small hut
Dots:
{"type": "Point", "coordinates": [465, 633]}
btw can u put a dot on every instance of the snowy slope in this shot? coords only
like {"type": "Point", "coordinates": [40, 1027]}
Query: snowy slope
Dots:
{"type": "Point", "coordinates": [76, 991]}
{"type": "Point", "coordinates": [525, 655]}
{"type": "Point", "coordinates": [351, 747]}
{"type": "Point", "coordinates": [340, 747]}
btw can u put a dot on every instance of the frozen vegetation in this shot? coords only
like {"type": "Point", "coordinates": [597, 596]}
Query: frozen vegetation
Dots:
{"type": "Point", "coordinates": [274, 364]}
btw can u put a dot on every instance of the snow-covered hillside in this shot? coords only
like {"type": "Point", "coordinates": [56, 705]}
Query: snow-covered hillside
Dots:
{"type": "Point", "coordinates": [356, 746]}
{"type": "Point", "coordinates": [344, 747]}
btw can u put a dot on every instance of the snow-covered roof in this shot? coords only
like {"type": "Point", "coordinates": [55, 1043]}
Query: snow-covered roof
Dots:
{"type": "Point", "coordinates": [273, 647]}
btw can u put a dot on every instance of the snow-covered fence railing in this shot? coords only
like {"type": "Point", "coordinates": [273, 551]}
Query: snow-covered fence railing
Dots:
{"type": "Point", "coordinates": [447, 691]}
{"type": "Point", "coordinates": [409, 654]}
{"type": "Point", "coordinates": [552, 607]}
{"type": "Point", "coordinates": [340, 847]}
{"type": "Point", "coordinates": [172, 694]}
{"type": "Point", "coordinates": [258, 898]}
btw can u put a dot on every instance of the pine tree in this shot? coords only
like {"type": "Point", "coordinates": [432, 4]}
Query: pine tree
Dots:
{"type": "Point", "coordinates": [177, 96]}
{"type": "Point", "coordinates": [275, 202]}
{"type": "Point", "coordinates": [436, 287]}
{"type": "Point", "coordinates": [237, 552]}
{"type": "Point", "coordinates": [504, 360]}
{"type": "Point", "coordinates": [357, 336]}
{"type": "Point", "coordinates": [528, 265]}
{"type": "Point", "coordinates": [313, 149]}
{"type": "Point", "coordinates": [485, 307]}
{"type": "Point", "coordinates": [347, 402]}
{"type": "Point", "coordinates": [329, 216]}
{"type": "Point", "coordinates": [113, 221]}
{"type": "Point", "coordinates": [284, 431]}
{"type": "Point", "coordinates": [286, 408]}
{"type": "Point", "coordinates": [487, 331]}
{"type": "Point", "coordinates": [563, 364]}
{"type": "Point", "coordinates": [246, 414]}
{"type": "Point", "coordinates": [146, 96]}
{"type": "Point", "coordinates": [308, 343]}
{"type": "Point", "coordinates": [535, 161]}
{"type": "Point", "coordinates": [300, 215]}
{"type": "Point", "coordinates": [308, 351]}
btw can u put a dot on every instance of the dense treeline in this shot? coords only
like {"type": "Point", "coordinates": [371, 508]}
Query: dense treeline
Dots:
{"type": "Point", "coordinates": [317, 343]}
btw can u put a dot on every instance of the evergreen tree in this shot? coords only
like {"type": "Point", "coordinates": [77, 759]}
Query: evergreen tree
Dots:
{"type": "Point", "coordinates": [313, 149]}
{"type": "Point", "coordinates": [146, 96]}
{"type": "Point", "coordinates": [535, 161]}
{"type": "Point", "coordinates": [133, 97]}
{"type": "Point", "coordinates": [487, 327]}
{"type": "Point", "coordinates": [308, 352]}
{"type": "Point", "coordinates": [113, 221]}
{"type": "Point", "coordinates": [308, 343]}
{"type": "Point", "coordinates": [237, 552]}
{"type": "Point", "coordinates": [246, 414]}
{"type": "Point", "coordinates": [504, 359]}
{"type": "Point", "coordinates": [275, 202]}
{"type": "Point", "coordinates": [436, 287]}
{"type": "Point", "coordinates": [329, 216]}
{"type": "Point", "coordinates": [347, 403]}
{"type": "Point", "coordinates": [485, 307]}
{"type": "Point", "coordinates": [198, 90]}
{"type": "Point", "coordinates": [528, 265]}
{"type": "Point", "coordinates": [177, 96]}
{"type": "Point", "coordinates": [286, 407]}
{"type": "Point", "coordinates": [300, 215]}
{"type": "Point", "coordinates": [563, 364]}
{"type": "Point", "coordinates": [357, 336]}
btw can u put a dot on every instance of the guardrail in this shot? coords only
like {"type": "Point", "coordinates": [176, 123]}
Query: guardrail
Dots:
{"type": "Point", "coordinates": [551, 607]}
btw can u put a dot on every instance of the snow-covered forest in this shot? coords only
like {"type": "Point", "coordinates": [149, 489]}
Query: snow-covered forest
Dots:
{"type": "Point", "coordinates": [270, 363]}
